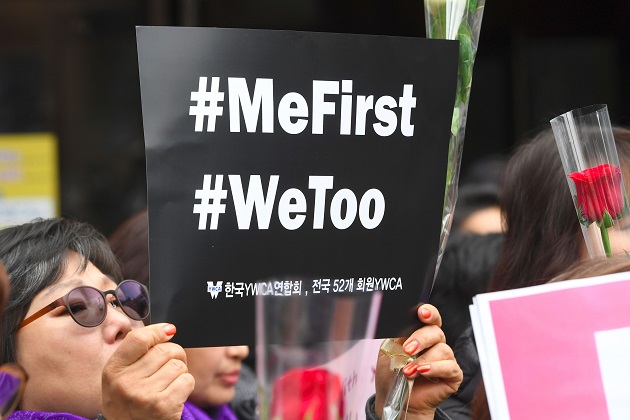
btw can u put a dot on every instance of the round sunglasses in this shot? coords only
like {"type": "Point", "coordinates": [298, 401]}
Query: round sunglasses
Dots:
{"type": "Point", "coordinates": [87, 305]}
{"type": "Point", "coordinates": [12, 381]}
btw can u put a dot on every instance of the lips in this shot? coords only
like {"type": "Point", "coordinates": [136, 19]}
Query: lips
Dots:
{"type": "Point", "coordinates": [230, 378]}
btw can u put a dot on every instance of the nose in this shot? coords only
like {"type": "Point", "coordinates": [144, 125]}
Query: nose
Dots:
{"type": "Point", "coordinates": [237, 352]}
{"type": "Point", "coordinates": [116, 325]}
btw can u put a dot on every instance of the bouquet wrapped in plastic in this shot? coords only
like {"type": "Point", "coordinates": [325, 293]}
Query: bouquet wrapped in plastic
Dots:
{"type": "Point", "coordinates": [455, 20]}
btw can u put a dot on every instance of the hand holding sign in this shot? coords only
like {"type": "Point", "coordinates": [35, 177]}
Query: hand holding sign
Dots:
{"type": "Point", "coordinates": [435, 371]}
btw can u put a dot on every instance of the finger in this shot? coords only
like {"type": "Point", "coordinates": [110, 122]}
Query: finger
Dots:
{"type": "Point", "coordinates": [440, 351]}
{"type": "Point", "coordinates": [447, 371]}
{"type": "Point", "coordinates": [138, 342]}
{"type": "Point", "coordinates": [437, 353]}
{"type": "Point", "coordinates": [167, 358]}
{"type": "Point", "coordinates": [429, 315]}
{"type": "Point", "coordinates": [162, 378]}
{"type": "Point", "coordinates": [177, 392]}
{"type": "Point", "coordinates": [158, 356]}
{"type": "Point", "coordinates": [423, 338]}
{"type": "Point", "coordinates": [181, 387]}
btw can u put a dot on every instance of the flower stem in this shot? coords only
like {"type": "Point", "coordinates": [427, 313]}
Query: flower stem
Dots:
{"type": "Point", "coordinates": [605, 240]}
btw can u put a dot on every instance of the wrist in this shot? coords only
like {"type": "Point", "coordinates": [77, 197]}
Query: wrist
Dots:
{"type": "Point", "coordinates": [426, 414]}
{"type": "Point", "coordinates": [421, 415]}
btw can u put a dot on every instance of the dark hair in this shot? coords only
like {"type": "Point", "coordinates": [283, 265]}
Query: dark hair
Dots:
{"type": "Point", "coordinates": [543, 237]}
{"type": "Point", "coordinates": [542, 232]}
{"type": "Point", "coordinates": [130, 244]}
{"type": "Point", "coordinates": [35, 256]}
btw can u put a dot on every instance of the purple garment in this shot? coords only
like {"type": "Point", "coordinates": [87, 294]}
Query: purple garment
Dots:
{"type": "Point", "coordinates": [9, 386]}
{"type": "Point", "coordinates": [37, 415]}
{"type": "Point", "coordinates": [191, 412]}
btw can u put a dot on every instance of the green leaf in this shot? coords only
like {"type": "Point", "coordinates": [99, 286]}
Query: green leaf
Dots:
{"type": "Point", "coordinates": [607, 221]}
{"type": "Point", "coordinates": [438, 25]}
{"type": "Point", "coordinates": [455, 121]}
{"type": "Point", "coordinates": [472, 6]}
{"type": "Point", "coordinates": [583, 220]}
{"type": "Point", "coordinates": [466, 59]}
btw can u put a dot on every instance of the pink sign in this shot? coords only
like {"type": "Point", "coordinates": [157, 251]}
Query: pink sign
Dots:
{"type": "Point", "coordinates": [357, 369]}
{"type": "Point", "coordinates": [541, 347]}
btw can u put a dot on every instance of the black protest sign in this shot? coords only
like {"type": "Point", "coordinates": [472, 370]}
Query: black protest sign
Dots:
{"type": "Point", "coordinates": [290, 164]}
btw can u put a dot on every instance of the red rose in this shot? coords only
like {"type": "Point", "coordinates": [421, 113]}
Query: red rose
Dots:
{"type": "Point", "coordinates": [599, 189]}
{"type": "Point", "coordinates": [312, 394]}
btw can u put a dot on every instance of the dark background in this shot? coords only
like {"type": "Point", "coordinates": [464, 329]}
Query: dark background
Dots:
{"type": "Point", "coordinates": [70, 67]}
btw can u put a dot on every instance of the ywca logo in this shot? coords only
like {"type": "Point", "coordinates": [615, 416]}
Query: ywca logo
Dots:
{"type": "Point", "coordinates": [215, 288]}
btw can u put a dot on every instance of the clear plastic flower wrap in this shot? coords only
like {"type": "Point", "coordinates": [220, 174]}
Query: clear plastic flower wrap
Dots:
{"type": "Point", "coordinates": [305, 348]}
{"type": "Point", "coordinates": [455, 20]}
{"type": "Point", "coordinates": [399, 392]}
{"type": "Point", "coordinates": [587, 148]}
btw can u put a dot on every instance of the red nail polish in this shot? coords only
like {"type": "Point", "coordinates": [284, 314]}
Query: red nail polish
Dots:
{"type": "Point", "coordinates": [424, 368]}
{"type": "Point", "coordinates": [411, 347]}
{"type": "Point", "coordinates": [426, 314]}
{"type": "Point", "coordinates": [409, 370]}
{"type": "Point", "coordinates": [170, 330]}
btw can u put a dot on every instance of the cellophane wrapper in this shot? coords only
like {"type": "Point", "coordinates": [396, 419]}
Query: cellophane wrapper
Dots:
{"type": "Point", "coordinates": [455, 20]}
{"type": "Point", "coordinates": [588, 151]}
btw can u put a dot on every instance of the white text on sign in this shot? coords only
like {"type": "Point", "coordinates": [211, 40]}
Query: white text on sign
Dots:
{"type": "Point", "coordinates": [292, 206]}
{"type": "Point", "coordinates": [293, 110]}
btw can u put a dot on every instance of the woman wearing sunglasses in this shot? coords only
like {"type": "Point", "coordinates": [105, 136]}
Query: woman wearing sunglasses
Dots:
{"type": "Point", "coordinates": [77, 329]}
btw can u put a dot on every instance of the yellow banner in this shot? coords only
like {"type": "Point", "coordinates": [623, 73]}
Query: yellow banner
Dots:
{"type": "Point", "coordinates": [29, 177]}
